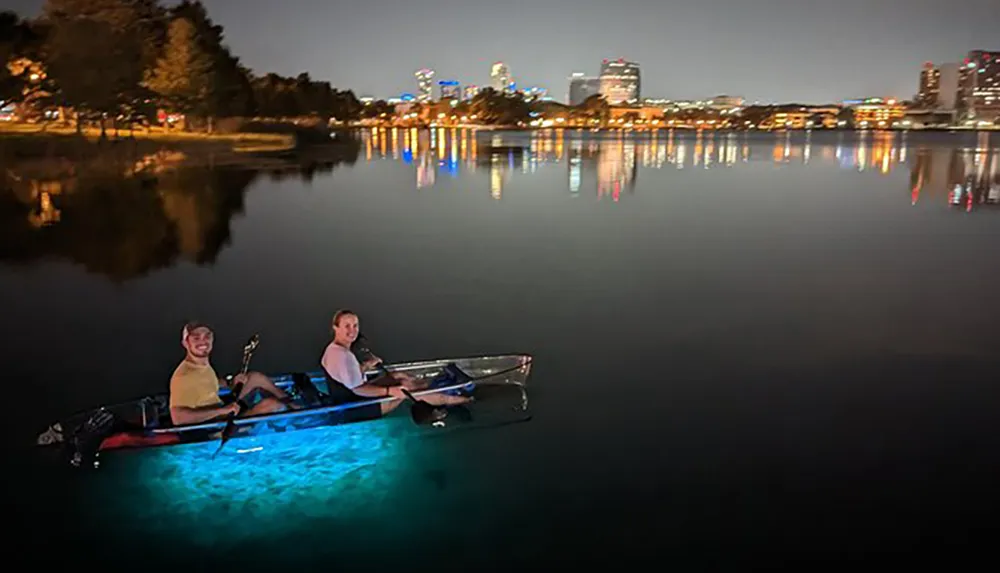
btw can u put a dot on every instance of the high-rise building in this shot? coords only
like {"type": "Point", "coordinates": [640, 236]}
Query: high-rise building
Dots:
{"type": "Point", "coordinates": [620, 82]}
{"type": "Point", "coordinates": [425, 85]}
{"type": "Point", "coordinates": [980, 85]}
{"type": "Point", "coordinates": [930, 82]}
{"type": "Point", "coordinates": [582, 87]}
{"type": "Point", "coordinates": [450, 89]}
{"type": "Point", "coordinates": [949, 86]}
{"type": "Point", "coordinates": [470, 92]}
{"type": "Point", "coordinates": [500, 79]}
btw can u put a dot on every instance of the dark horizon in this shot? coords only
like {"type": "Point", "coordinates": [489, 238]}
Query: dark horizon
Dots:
{"type": "Point", "coordinates": [763, 50]}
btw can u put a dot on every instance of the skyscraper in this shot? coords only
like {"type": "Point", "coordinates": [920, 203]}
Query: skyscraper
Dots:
{"type": "Point", "coordinates": [981, 85]}
{"type": "Point", "coordinates": [930, 81]}
{"type": "Point", "coordinates": [470, 92]}
{"type": "Point", "coordinates": [450, 89]}
{"type": "Point", "coordinates": [582, 87]}
{"type": "Point", "coordinates": [500, 78]}
{"type": "Point", "coordinates": [620, 82]}
{"type": "Point", "coordinates": [425, 85]}
{"type": "Point", "coordinates": [949, 86]}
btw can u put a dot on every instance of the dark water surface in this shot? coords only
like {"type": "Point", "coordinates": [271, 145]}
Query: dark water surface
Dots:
{"type": "Point", "coordinates": [748, 350]}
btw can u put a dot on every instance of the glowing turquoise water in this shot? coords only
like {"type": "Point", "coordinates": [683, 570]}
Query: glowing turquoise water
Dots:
{"type": "Point", "coordinates": [340, 474]}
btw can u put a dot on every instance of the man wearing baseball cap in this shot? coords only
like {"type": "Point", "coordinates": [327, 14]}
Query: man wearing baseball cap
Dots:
{"type": "Point", "coordinates": [194, 386]}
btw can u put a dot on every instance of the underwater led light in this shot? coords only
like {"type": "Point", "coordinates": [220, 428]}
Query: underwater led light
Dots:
{"type": "Point", "coordinates": [278, 478]}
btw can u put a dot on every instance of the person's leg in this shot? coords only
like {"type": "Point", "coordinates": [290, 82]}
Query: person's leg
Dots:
{"type": "Point", "coordinates": [256, 380]}
{"type": "Point", "coordinates": [266, 406]}
{"type": "Point", "coordinates": [409, 382]}
{"type": "Point", "coordinates": [390, 406]}
{"type": "Point", "coordinates": [442, 399]}
{"type": "Point", "coordinates": [400, 379]}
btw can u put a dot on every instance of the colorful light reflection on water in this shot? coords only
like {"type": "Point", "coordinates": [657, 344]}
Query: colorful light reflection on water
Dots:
{"type": "Point", "coordinates": [283, 480]}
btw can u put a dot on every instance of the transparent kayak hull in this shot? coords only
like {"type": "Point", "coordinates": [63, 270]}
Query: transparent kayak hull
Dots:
{"type": "Point", "coordinates": [498, 384]}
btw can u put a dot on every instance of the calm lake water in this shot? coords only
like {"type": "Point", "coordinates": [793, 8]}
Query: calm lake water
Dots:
{"type": "Point", "coordinates": [749, 350]}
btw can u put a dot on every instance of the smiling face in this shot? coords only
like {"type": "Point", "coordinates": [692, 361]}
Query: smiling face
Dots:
{"type": "Point", "coordinates": [198, 342]}
{"type": "Point", "coordinates": [345, 329]}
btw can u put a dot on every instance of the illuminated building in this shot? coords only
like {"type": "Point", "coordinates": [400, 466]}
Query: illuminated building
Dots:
{"type": "Point", "coordinates": [787, 120]}
{"type": "Point", "coordinates": [949, 85]}
{"type": "Point", "coordinates": [535, 93]}
{"type": "Point", "coordinates": [582, 87]}
{"type": "Point", "coordinates": [450, 89]}
{"type": "Point", "coordinates": [620, 82]}
{"type": "Point", "coordinates": [631, 114]}
{"type": "Point", "coordinates": [877, 112]}
{"type": "Point", "coordinates": [726, 102]}
{"type": "Point", "coordinates": [801, 118]}
{"type": "Point", "coordinates": [500, 79]}
{"type": "Point", "coordinates": [930, 82]}
{"type": "Point", "coordinates": [980, 85]}
{"type": "Point", "coordinates": [470, 92]}
{"type": "Point", "coordinates": [425, 85]}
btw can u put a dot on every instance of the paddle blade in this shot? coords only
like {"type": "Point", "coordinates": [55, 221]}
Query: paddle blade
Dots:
{"type": "Point", "coordinates": [423, 413]}
{"type": "Point", "coordinates": [248, 349]}
{"type": "Point", "coordinates": [251, 344]}
{"type": "Point", "coordinates": [227, 433]}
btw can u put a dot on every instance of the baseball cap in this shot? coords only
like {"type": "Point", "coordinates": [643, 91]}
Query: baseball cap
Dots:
{"type": "Point", "coordinates": [193, 325]}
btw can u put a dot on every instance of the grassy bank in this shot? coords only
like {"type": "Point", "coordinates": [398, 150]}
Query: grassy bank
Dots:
{"type": "Point", "coordinates": [31, 136]}
{"type": "Point", "coordinates": [54, 149]}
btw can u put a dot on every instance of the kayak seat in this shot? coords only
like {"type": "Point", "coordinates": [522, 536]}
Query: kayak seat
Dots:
{"type": "Point", "coordinates": [452, 375]}
{"type": "Point", "coordinates": [305, 390]}
{"type": "Point", "coordinates": [154, 413]}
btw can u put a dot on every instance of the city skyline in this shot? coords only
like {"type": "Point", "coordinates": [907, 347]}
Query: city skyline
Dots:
{"type": "Point", "coordinates": [968, 178]}
{"type": "Point", "coordinates": [769, 50]}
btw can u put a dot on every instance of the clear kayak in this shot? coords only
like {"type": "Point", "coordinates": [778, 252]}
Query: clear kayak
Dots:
{"type": "Point", "coordinates": [497, 384]}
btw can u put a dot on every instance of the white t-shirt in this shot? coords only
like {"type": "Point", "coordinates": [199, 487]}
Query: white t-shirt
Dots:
{"type": "Point", "coordinates": [341, 364]}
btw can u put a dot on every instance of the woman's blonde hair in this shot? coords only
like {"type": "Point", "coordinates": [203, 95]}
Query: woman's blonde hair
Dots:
{"type": "Point", "coordinates": [339, 315]}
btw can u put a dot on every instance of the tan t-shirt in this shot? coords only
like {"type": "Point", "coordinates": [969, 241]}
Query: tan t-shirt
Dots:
{"type": "Point", "coordinates": [194, 386]}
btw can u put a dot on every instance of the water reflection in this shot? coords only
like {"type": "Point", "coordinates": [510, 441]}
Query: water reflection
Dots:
{"type": "Point", "coordinates": [124, 218]}
{"type": "Point", "coordinates": [609, 163]}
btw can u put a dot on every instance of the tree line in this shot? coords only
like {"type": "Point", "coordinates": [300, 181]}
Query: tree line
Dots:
{"type": "Point", "coordinates": [125, 59]}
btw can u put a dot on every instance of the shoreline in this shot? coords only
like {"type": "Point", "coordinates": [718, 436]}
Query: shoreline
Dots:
{"type": "Point", "coordinates": [47, 148]}
{"type": "Point", "coordinates": [961, 130]}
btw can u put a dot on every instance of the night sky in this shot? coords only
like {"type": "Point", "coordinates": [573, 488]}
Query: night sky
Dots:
{"type": "Point", "coordinates": [768, 50]}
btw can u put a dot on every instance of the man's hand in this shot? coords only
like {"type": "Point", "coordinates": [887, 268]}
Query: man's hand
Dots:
{"type": "Point", "coordinates": [231, 409]}
{"type": "Point", "coordinates": [239, 379]}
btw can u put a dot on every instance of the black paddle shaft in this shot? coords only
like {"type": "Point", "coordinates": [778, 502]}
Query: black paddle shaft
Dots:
{"type": "Point", "coordinates": [230, 428]}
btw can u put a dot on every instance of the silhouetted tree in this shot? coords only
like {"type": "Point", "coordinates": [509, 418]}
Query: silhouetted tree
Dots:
{"type": "Point", "coordinates": [98, 51]}
{"type": "Point", "coordinates": [495, 108]}
{"type": "Point", "coordinates": [184, 76]}
{"type": "Point", "coordinates": [595, 107]}
{"type": "Point", "coordinates": [847, 116]}
{"type": "Point", "coordinates": [755, 114]}
{"type": "Point", "coordinates": [232, 94]}
{"type": "Point", "coordinates": [17, 39]}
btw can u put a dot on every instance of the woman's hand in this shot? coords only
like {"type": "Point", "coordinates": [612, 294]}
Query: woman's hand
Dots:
{"type": "Point", "coordinates": [370, 363]}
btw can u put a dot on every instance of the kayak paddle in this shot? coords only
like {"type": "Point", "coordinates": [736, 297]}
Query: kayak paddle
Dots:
{"type": "Point", "coordinates": [230, 428]}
